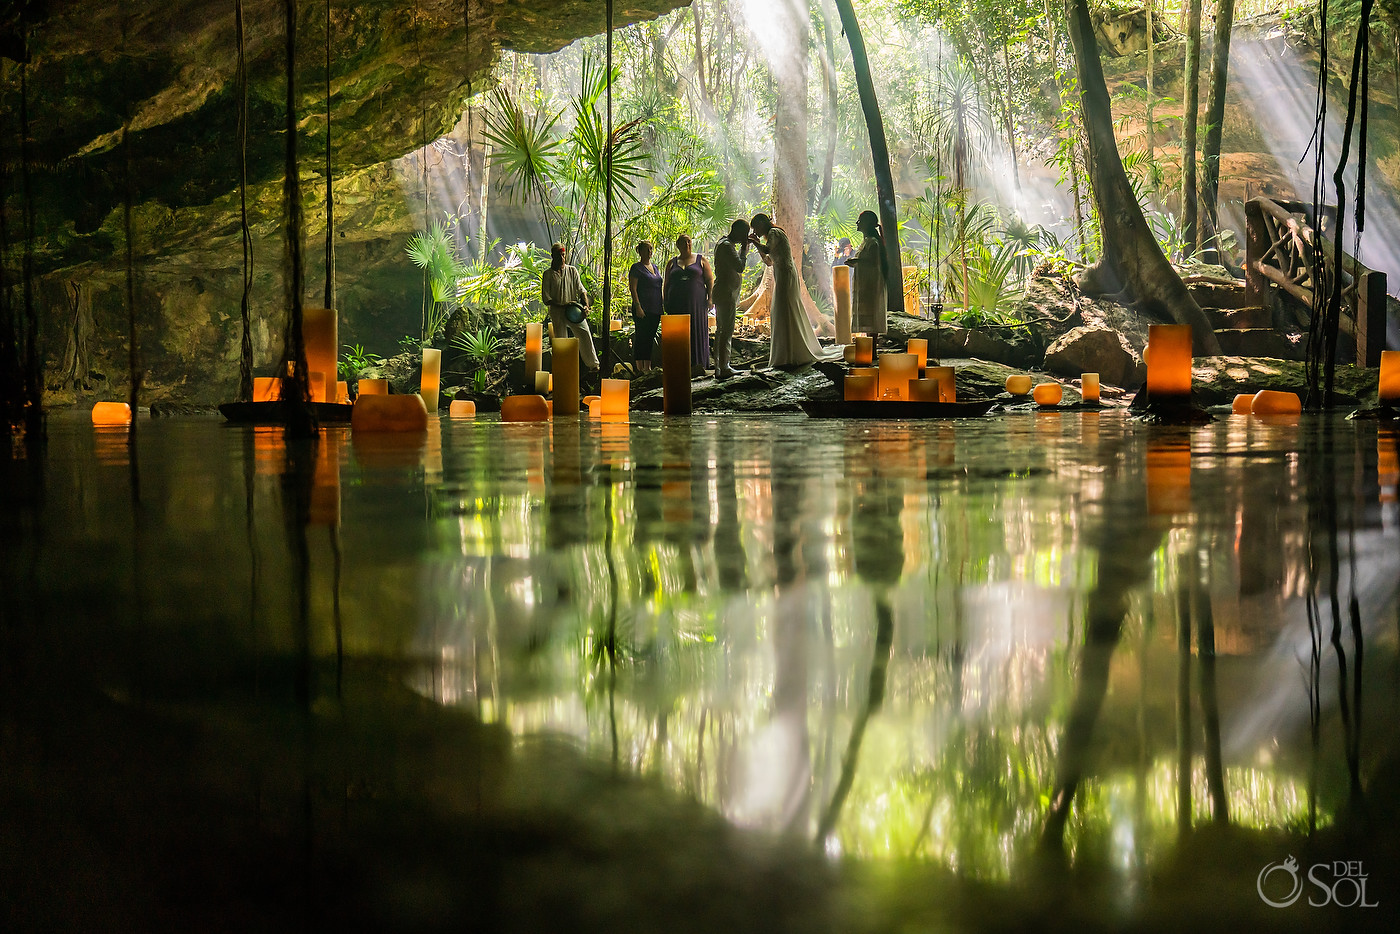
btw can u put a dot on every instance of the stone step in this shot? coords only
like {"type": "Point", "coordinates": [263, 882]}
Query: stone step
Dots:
{"type": "Point", "coordinates": [1262, 342]}
{"type": "Point", "coordinates": [1251, 316]}
{"type": "Point", "coordinates": [1215, 293]}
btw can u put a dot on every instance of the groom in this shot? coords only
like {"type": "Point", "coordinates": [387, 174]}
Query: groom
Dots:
{"type": "Point", "coordinates": [731, 254]}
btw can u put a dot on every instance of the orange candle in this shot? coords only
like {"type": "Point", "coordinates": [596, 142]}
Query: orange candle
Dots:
{"type": "Point", "coordinates": [534, 350]}
{"type": "Point", "coordinates": [860, 388]}
{"type": "Point", "coordinates": [865, 349]}
{"type": "Point", "coordinates": [896, 370]}
{"type": "Point", "coordinates": [841, 285]}
{"type": "Point", "coordinates": [919, 348]}
{"type": "Point", "coordinates": [1049, 394]}
{"type": "Point", "coordinates": [524, 409]}
{"type": "Point", "coordinates": [1018, 385]}
{"type": "Point", "coordinates": [266, 388]}
{"type": "Point", "coordinates": [565, 382]}
{"type": "Point", "coordinates": [617, 394]}
{"type": "Point", "coordinates": [342, 391]}
{"type": "Point", "coordinates": [1387, 466]}
{"type": "Point", "coordinates": [1269, 402]}
{"type": "Point", "coordinates": [1168, 478]}
{"type": "Point", "coordinates": [924, 390]}
{"type": "Point", "coordinates": [461, 408]}
{"type": "Point", "coordinates": [595, 408]}
{"type": "Point", "coordinates": [318, 387]}
{"type": "Point", "coordinates": [430, 385]}
{"type": "Point", "coordinates": [1243, 404]}
{"type": "Point", "coordinates": [389, 413]}
{"type": "Point", "coordinates": [589, 400]}
{"type": "Point", "coordinates": [544, 383]}
{"type": "Point", "coordinates": [1089, 387]}
{"type": "Point", "coordinates": [1389, 390]}
{"type": "Point", "coordinates": [615, 324]}
{"type": "Point", "coordinates": [675, 364]}
{"type": "Point", "coordinates": [911, 291]}
{"type": "Point", "coordinates": [947, 385]}
{"type": "Point", "coordinates": [320, 336]}
{"type": "Point", "coordinates": [111, 413]}
{"type": "Point", "coordinates": [372, 387]}
{"type": "Point", "coordinates": [1169, 362]}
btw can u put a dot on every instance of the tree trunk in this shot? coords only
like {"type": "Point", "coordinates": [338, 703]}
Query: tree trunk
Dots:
{"type": "Point", "coordinates": [1132, 259]}
{"type": "Point", "coordinates": [1151, 100]}
{"type": "Point", "coordinates": [1215, 117]}
{"type": "Point", "coordinates": [1191, 110]}
{"type": "Point", "coordinates": [1010, 124]}
{"type": "Point", "coordinates": [820, 264]}
{"type": "Point", "coordinates": [879, 153]}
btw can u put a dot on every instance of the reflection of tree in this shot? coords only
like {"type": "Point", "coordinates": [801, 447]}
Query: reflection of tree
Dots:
{"type": "Point", "coordinates": [1210, 707]}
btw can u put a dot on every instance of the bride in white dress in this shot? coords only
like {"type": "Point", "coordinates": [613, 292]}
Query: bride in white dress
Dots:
{"type": "Point", "coordinates": [793, 341]}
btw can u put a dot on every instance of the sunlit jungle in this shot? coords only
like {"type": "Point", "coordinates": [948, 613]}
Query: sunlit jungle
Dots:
{"type": "Point", "coordinates": [821, 466]}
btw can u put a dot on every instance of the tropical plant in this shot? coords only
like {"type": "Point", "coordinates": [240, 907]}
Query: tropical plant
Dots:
{"type": "Point", "coordinates": [434, 252]}
{"type": "Point", "coordinates": [993, 290]}
{"type": "Point", "coordinates": [356, 358]}
{"type": "Point", "coordinates": [479, 346]}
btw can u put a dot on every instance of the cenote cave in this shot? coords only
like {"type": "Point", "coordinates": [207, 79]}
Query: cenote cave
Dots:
{"type": "Point", "coordinates": [729, 465]}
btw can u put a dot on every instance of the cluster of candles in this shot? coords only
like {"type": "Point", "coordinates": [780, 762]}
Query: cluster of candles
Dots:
{"type": "Point", "coordinates": [898, 377]}
{"type": "Point", "coordinates": [563, 381]}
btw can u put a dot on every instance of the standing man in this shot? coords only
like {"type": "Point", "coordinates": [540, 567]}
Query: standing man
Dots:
{"type": "Point", "coordinates": [561, 291]}
{"type": "Point", "coordinates": [731, 255]}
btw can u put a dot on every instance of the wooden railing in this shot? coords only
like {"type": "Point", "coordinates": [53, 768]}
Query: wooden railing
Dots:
{"type": "Point", "coordinates": [1281, 244]}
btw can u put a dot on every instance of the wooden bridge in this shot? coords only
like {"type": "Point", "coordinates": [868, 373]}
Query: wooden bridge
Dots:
{"type": "Point", "coordinates": [1282, 242]}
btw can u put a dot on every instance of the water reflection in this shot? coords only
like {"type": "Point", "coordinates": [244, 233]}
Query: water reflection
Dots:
{"type": "Point", "coordinates": [954, 643]}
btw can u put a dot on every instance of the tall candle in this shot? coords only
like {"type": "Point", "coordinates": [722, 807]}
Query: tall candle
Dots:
{"type": "Point", "coordinates": [431, 383]}
{"type": "Point", "coordinates": [318, 386]}
{"type": "Point", "coordinates": [911, 291]}
{"type": "Point", "coordinates": [675, 364]}
{"type": "Point", "coordinates": [861, 388]}
{"type": "Point", "coordinates": [1389, 390]}
{"type": "Point", "coordinates": [372, 387]}
{"type": "Point", "coordinates": [616, 396]}
{"type": "Point", "coordinates": [896, 370]}
{"type": "Point", "coordinates": [266, 388]}
{"type": "Point", "coordinates": [319, 335]}
{"type": "Point", "coordinates": [841, 284]}
{"type": "Point", "coordinates": [947, 383]}
{"type": "Point", "coordinates": [1169, 362]}
{"type": "Point", "coordinates": [565, 353]}
{"type": "Point", "coordinates": [342, 391]}
{"type": "Point", "coordinates": [534, 350]}
{"type": "Point", "coordinates": [1089, 387]}
{"type": "Point", "coordinates": [865, 349]}
{"type": "Point", "coordinates": [918, 346]}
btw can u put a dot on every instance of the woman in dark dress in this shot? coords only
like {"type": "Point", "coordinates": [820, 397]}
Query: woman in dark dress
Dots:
{"type": "Point", "coordinates": [689, 282]}
{"type": "Point", "coordinates": [644, 281]}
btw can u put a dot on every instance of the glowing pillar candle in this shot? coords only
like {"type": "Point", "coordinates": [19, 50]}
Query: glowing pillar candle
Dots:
{"type": "Point", "coordinates": [266, 388]}
{"type": "Point", "coordinates": [1243, 404]}
{"type": "Point", "coordinates": [544, 383]}
{"type": "Point", "coordinates": [947, 384]}
{"type": "Point", "coordinates": [372, 387]}
{"type": "Point", "coordinates": [430, 386]}
{"type": "Point", "coordinates": [534, 350]}
{"type": "Point", "coordinates": [1169, 362]}
{"type": "Point", "coordinates": [841, 285]}
{"type": "Point", "coordinates": [911, 291]}
{"type": "Point", "coordinates": [1018, 385]}
{"type": "Point", "coordinates": [896, 370]}
{"type": "Point", "coordinates": [865, 349]}
{"type": "Point", "coordinates": [1168, 478]}
{"type": "Point", "coordinates": [1389, 390]}
{"type": "Point", "coordinates": [524, 409]}
{"type": "Point", "coordinates": [595, 408]}
{"type": "Point", "coordinates": [318, 387]}
{"type": "Point", "coordinates": [866, 371]}
{"type": "Point", "coordinates": [617, 396]}
{"type": "Point", "coordinates": [461, 408]}
{"type": "Point", "coordinates": [1048, 394]}
{"type": "Point", "coordinates": [919, 348]}
{"type": "Point", "coordinates": [389, 413]}
{"type": "Point", "coordinates": [675, 364]}
{"type": "Point", "coordinates": [1089, 387]}
{"type": "Point", "coordinates": [1269, 402]}
{"type": "Point", "coordinates": [924, 390]}
{"type": "Point", "coordinates": [615, 324]}
{"type": "Point", "coordinates": [319, 334]}
{"type": "Point", "coordinates": [861, 388]}
{"type": "Point", "coordinates": [111, 413]}
{"type": "Point", "coordinates": [565, 351]}
{"type": "Point", "coordinates": [342, 391]}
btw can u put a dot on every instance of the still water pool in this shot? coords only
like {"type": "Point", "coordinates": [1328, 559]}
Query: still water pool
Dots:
{"type": "Point", "coordinates": [1056, 671]}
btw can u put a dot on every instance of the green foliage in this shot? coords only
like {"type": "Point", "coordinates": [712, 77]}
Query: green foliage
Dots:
{"type": "Point", "coordinates": [434, 252]}
{"type": "Point", "coordinates": [356, 358]}
{"type": "Point", "coordinates": [510, 288]}
{"type": "Point", "coordinates": [480, 346]}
